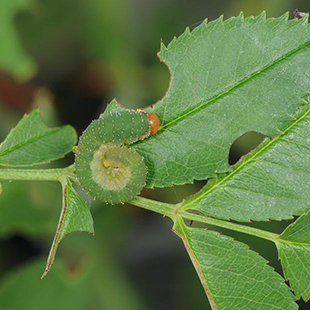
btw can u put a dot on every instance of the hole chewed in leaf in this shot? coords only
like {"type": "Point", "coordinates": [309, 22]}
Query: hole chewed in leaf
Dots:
{"type": "Point", "coordinates": [244, 145]}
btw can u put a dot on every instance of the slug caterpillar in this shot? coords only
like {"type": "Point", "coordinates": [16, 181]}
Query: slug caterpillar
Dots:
{"type": "Point", "coordinates": [105, 167]}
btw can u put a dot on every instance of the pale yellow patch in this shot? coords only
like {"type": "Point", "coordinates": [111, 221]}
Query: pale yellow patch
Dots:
{"type": "Point", "coordinates": [109, 173]}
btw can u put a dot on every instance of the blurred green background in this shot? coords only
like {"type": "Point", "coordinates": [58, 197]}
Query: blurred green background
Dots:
{"type": "Point", "coordinates": [72, 57]}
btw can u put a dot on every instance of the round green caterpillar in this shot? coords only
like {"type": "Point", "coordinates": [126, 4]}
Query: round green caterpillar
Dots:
{"type": "Point", "coordinates": [105, 167]}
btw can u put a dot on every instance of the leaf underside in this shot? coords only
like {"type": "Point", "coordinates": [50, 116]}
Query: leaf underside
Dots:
{"type": "Point", "coordinates": [273, 182]}
{"type": "Point", "coordinates": [294, 252]}
{"type": "Point", "coordinates": [31, 142]}
{"type": "Point", "coordinates": [75, 217]}
{"type": "Point", "coordinates": [233, 276]}
{"type": "Point", "coordinates": [227, 78]}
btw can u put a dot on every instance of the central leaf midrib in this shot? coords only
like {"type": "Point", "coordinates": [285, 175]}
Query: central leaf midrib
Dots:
{"type": "Point", "coordinates": [228, 91]}
{"type": "Point", "coordinates": [289, 242]}
{"type": "Point", "coordinates": [196, 262]}
{"type": "Point", "coordinates": [22, 144]}
{"type": "Point", "coordinates": [248, 160]}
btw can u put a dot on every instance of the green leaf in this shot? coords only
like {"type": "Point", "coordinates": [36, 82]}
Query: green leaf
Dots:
{"type": "Point", "coordinates": [233, 276]}
{"type": "Point", "coordinates": [112, 106]}
{"type": "Point", "coordinates": [31, 142]}
{"type": "Point", "coordinates": [75, 217]}
{"type": "Point", "coordinates": [12, 56]}
{"type": "Point", "coordinates": [227, 78]}
{"type": "Point", "coordinates": [294, 252]}
{"type": "Point", "coordinates": [273, 182]}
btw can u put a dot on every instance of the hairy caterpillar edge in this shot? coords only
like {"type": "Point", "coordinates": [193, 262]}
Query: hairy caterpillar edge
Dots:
{"type": "Point", "coordinates": [105, 167]}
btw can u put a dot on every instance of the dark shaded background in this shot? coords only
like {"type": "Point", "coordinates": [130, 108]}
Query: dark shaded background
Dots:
{"type": "Point", "coordinates": [87, 53]}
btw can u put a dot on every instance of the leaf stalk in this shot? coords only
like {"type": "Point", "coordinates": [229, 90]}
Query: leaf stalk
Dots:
{"type": "Point", "coordinates": [174, 212]}
{"type": "Point", "coordinates": [17, 174]}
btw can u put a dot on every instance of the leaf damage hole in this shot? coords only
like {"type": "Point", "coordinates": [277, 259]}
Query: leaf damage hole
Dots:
{"type": "Point", "coordinates": [244, 145]}
{"type": "Point", "coordinates": [175, 193]}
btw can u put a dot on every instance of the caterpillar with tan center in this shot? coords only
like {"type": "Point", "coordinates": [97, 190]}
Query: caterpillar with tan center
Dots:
{"type": "Point", "coordinates": [105, 167]}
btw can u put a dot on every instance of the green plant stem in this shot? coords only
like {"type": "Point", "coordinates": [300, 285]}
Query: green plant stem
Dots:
{"type": "Point", "coordinates": [163, 208]}
{"type": "Point", "coordinates": [173, 212]}
{"type": "Point", "coordinates": [231, 226]}
{"type": "Point", "coordinates": [36, 174]}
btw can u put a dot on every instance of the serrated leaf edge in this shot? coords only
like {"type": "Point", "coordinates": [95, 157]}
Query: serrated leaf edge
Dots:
{"type": "Point", "coordinates": [240, 18]}
{"type": "Point", "coordinates": [51, 131]}
{"type": "Point", "coordinates": [196, 264]}
{"type": "Point", "coordinates": [216, 182]}
{"type": "Point", "coordinates": [56, 240]}
{"type": "Point", "coordinates": [180, 222]}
